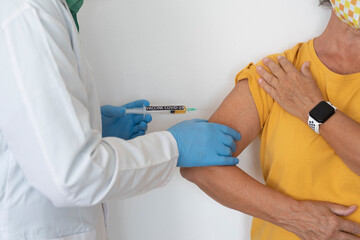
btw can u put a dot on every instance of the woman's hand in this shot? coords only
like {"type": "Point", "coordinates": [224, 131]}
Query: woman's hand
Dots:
{"type": "Point", "coordinates": [313, 220]}
{"type": "Point", "coordinates": [293, 90]}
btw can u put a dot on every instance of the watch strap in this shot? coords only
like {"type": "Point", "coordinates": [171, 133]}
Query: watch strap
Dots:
{"type": "Point", "coordinates": [314, 125]}
{"type": "Point", "coordinates": [335, 108]}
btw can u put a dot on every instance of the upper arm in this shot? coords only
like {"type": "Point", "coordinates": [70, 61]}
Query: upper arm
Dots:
{"type": "Point", "coordinates": [239, 112]}
{"type": "Point", "coordinates": [246, 109]}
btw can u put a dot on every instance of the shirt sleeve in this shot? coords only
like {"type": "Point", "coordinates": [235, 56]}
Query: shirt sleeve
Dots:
{"type": "Point", "coordinates": [263, 101]}
{"type": "Point", "coordinates": [47, 126]}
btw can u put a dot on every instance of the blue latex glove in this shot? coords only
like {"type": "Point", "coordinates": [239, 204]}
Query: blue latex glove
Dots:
{"type": "Point", "coordinates": [116, 124]}
{"type": "Point", "coordinates": [205, 144]}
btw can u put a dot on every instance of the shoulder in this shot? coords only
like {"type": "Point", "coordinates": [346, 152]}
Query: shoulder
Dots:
{"type": "Point", "coordinates": [292, 55]}
{"type": "Point", "coordinates": [263, 101]}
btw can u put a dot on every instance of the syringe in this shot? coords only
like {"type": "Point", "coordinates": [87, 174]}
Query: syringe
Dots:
{"type": "Point", "coordinates": [173, 109]}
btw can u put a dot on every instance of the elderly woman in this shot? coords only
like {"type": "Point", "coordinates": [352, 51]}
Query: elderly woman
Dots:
{"type": "Point", "coordinates": [310, 151]}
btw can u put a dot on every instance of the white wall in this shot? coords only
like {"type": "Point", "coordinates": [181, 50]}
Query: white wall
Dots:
{"type": "Point", "coordinates": [186, 52]}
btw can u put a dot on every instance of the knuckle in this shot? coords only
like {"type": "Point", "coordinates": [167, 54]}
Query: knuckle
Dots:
{"type": "Point", "coordinates": [271, 65]}
{"type": "Point", "coordinates": [273, 80]}
{"type": "Point", "coordinates": [275, 67]}
{"type": "Point", "coordinates": [228, 152]}
{"type": "Point", "coordinates": [334, 223]}
{"type": "Point", "coordinates": [229, 140]}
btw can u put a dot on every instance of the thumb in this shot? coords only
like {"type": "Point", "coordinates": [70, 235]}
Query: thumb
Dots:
{"type": "Point", "coordinates": [342, 210]}
{"type": "Point", "coordinates": [112, 111]}
{"type": "Point", "coordinates": [305, 69]}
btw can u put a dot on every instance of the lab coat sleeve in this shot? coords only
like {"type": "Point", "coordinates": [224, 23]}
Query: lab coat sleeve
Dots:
{"type": "Point", "coordinates": [48, 128]}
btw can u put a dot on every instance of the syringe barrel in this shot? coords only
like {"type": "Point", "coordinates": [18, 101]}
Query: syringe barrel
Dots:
{"type": "Point", "coordinates": [174, 109]}
{"type": "Point", "coordinates": [135, 111]}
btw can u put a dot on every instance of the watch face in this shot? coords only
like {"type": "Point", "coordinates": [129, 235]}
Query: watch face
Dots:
{"type": "Point", "coordinates": [322, 112]}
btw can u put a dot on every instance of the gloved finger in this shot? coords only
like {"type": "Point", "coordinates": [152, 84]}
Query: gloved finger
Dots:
{"type": "Point", "coordinates": [148, 118]}
{"type": "Point", "coordinates": [137, 104]}
{"type": "Point", "coordinates": [140, 133]}
{"type": "Point", "coordinates": [140, 127]}
{"type": "Point", "coordinates": [141, 118]}
{"type": "Point", "coordinates": [112, 111]}
{"type": "Point", "coordinates": [227, 161]}
{"type": "Point", "coordinates": [224, 151]}
{"type": "Point", "coordinates": [138, 118]}
{"type": "Point", "coordinates": [229, 131]}
{"type": "Point", "coordinates": [227, 141]}
{"type": "Point", "coordinates": [231, 145]}
{"type": "Point", "coordinates": [143, 126]}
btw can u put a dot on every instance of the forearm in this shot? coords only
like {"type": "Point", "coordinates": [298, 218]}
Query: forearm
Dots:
{"type": "Point", "coordinates": [343, 134]}
{"type": "Point", "coordinates": [233, 188]}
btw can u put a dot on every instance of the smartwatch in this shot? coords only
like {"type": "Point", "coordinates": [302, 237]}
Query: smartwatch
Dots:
{"type": "Point", "coordinates": [319, 114]}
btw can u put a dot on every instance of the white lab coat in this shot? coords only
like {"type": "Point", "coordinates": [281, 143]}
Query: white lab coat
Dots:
{"type": "Point", "coordinates": [55, 168]}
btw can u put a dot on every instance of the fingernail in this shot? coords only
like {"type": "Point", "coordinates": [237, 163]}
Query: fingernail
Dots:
{"type": "Point", "coordinates": [279, 57]}
{"type": "Point", "coordinates": [265, 60]}
{"type": "Point", "coordinates": [259, 68]}
{"type": "Point", "coordinates": [260, 80]}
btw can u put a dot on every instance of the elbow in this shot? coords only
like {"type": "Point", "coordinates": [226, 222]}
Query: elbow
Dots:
{"type": "Point", "coordinates": [195, 174]}
{"type": "Point", "coordinates": [65, 197]}
{"type": "Point", "coordinates": [186, 173]}
{"type": "Point", "coordinates": [70, 199]}
{"type": "Point", "coordinates": [191, 174]}
{"type": "Point", "coordinates": [58, 192]}
{"type": "Point", "coordinates": [74, 194]}
{"type": "Point", "coordinates": [62, 199]}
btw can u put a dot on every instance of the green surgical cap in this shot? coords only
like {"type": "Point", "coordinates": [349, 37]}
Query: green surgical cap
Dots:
{"type": "Point", "coordinates": [74, 6]}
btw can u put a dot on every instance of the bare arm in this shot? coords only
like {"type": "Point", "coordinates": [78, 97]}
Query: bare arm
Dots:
{"type": "Point", "coordinates": [233, 188]}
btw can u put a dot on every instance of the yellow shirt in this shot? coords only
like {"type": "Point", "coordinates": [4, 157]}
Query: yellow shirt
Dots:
{"type": "Point", "coordinates": [294, 159]}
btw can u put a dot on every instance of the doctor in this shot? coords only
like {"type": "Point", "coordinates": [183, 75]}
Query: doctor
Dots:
{"type": "Point", "coordinates": [56, 164]}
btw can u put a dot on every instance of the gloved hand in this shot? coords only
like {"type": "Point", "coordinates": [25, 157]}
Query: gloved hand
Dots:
{"type": "Point", "coordinates": [116, 124]}
{"type": "Point", "coordinates": [204, 144]}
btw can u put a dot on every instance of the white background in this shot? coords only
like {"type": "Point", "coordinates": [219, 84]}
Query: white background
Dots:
{"type": "Point", "coordinates": [185, 52]}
